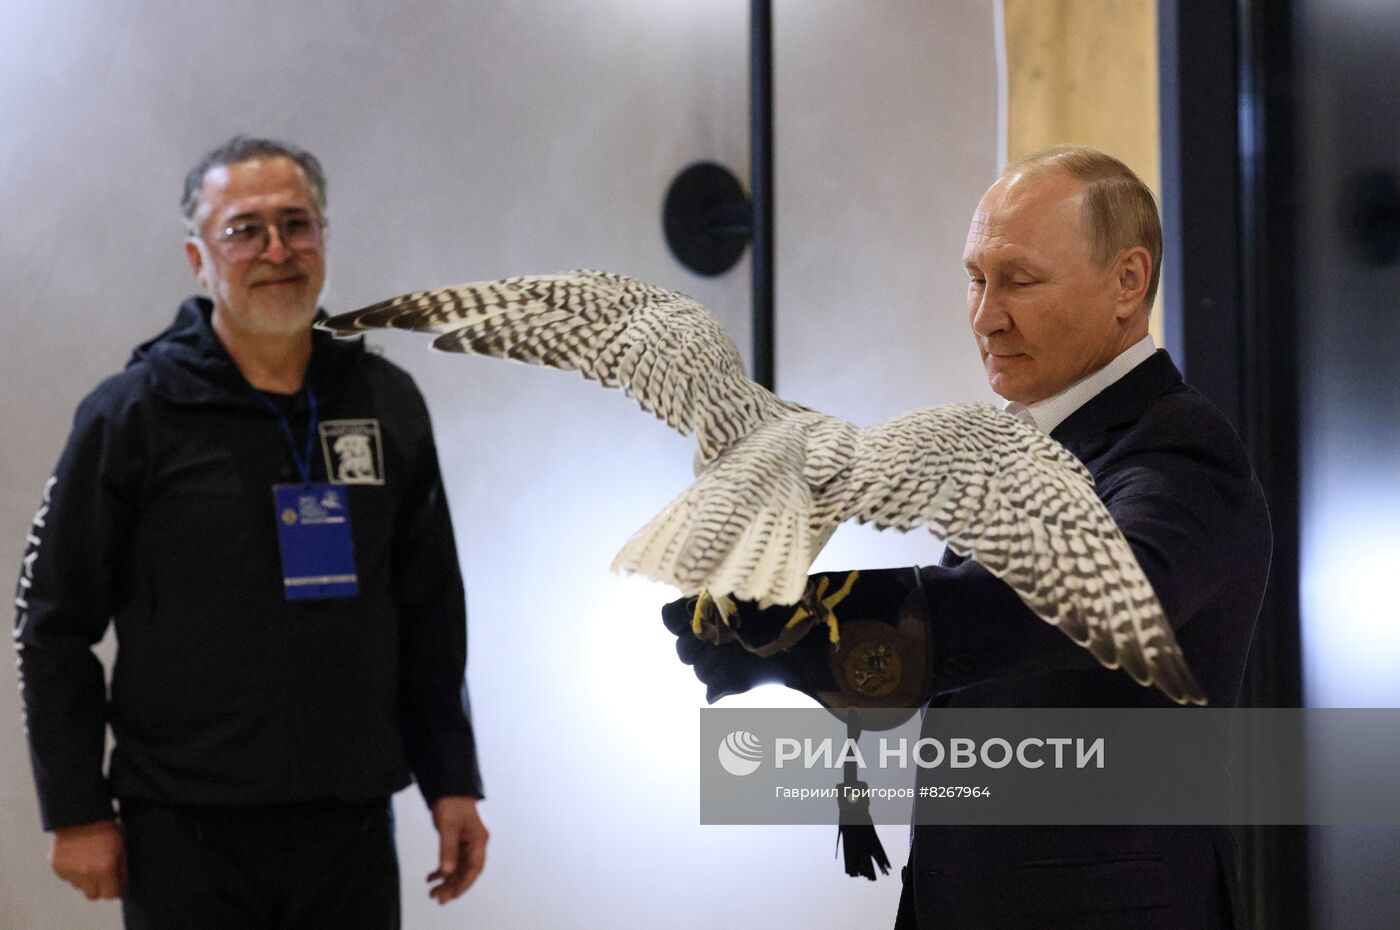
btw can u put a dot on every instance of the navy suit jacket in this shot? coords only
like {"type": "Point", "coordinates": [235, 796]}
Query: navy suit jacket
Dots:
{"type": "Point", "coordinates": [1176, 479]}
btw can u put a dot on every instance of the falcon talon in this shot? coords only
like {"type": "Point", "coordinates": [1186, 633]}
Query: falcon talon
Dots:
{"type": "Point", "coordinates": [709, 620]}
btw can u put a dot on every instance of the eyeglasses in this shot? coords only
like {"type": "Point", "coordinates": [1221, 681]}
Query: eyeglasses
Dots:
{"type": "Point", "coordinates": [300, 232]}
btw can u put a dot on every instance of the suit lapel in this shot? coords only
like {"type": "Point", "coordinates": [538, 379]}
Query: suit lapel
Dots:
{"type": "Point", "coordinates": [1086, 432]}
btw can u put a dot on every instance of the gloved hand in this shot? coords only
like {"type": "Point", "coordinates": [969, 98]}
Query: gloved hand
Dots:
{"type": "Point", "coordinates": [729, 668]}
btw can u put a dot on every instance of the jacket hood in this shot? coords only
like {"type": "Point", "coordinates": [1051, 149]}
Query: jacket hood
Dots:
{"type": "Point", "coordinates": [188, 364]}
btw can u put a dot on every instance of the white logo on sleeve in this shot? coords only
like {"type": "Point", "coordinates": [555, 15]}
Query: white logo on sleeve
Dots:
{"type": "Point", "coordinates": [354, 451]}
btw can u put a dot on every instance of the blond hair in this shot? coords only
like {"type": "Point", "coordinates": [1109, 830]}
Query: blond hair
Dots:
{"type": "Point", "coordinates": [1119, 210]}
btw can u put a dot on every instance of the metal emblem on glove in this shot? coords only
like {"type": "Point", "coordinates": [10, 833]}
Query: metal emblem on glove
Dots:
{"type": "Point", "coordinates": [879, 665]}
{"type": "Point", "coordinates": [872, 669]}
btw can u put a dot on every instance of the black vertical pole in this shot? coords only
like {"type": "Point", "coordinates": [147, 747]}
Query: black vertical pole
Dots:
{"type": "Point", "coordinates": [1276, 857]}
{"type": "Point", "coordinates": [761, 181]}
{"type": "Point", "coordinates": [1200, 196]}
{"type": "Point", "coordinates": [1228, 223]}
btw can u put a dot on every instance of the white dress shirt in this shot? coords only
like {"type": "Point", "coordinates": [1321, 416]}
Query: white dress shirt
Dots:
{"type": "Point", "coordinates": [1049, 413]}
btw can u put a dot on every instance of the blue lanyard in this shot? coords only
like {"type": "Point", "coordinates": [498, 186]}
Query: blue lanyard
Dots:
{"type": "Point", "coordinates": [303, 462]}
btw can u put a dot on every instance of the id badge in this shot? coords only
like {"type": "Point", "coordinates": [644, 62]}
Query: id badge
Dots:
{"type": "Point", "coordinates": [318, 553]}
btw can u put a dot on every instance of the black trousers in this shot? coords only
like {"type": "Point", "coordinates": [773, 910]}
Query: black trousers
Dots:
{"type": "Point", "coordinates": [322, 866]}
{"type": "Point", "coordinates": [1071, 878]}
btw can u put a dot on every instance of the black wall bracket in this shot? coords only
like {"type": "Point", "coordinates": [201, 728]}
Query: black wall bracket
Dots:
{"type": "Point", "coordinates": [707, 218]}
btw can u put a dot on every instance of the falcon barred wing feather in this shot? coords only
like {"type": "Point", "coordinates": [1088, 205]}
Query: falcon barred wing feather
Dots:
{"type": "Point", "coordinates": [662, 348]}
{"type": "Point", "coordinates": [1010, 497]}
{"type": "Point", "coordinates": [775, 479]}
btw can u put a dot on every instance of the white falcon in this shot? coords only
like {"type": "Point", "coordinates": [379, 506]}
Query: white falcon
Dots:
{"type": "Point", "coordinates": [774, 479]}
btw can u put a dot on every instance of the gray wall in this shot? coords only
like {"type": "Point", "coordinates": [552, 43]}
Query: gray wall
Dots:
{"type": "Point", "coordinates": [478, 140]}
{"type": "Point", "coordinates": [1350, 391]}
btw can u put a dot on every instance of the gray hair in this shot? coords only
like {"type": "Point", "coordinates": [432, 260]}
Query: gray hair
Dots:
{"type": "Point", "coordinates": [1119, 209]}
{"type": "Point", "coordinates": [246, 148]}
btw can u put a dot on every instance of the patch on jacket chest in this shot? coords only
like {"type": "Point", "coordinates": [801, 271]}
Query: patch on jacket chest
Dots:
{"type": "Point", "coordinates": [354, 451]}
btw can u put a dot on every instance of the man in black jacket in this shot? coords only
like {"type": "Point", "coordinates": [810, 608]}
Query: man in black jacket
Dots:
{"type": "Point", "coordinates": [1062, 259]}
{"type": "Point", "coordinates": [259, 511]}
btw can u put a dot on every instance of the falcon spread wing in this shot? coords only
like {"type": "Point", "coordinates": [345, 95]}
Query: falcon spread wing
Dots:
{"type": "Point", "coordinates": [775, 479]}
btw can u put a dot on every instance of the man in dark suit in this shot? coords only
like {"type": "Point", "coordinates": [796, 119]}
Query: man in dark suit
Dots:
{"type": "Point", "coordinates": [1062, 258]}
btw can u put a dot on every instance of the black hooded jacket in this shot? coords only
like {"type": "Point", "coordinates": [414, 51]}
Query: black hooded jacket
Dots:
{"type": "Point", "coordinates": [160, 518]}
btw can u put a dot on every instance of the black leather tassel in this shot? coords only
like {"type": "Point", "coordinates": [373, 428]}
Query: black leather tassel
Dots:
{"type": "Point", "coordinates": [860, 841]}
{"type": "Point", "coordinates": [856, 835]}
